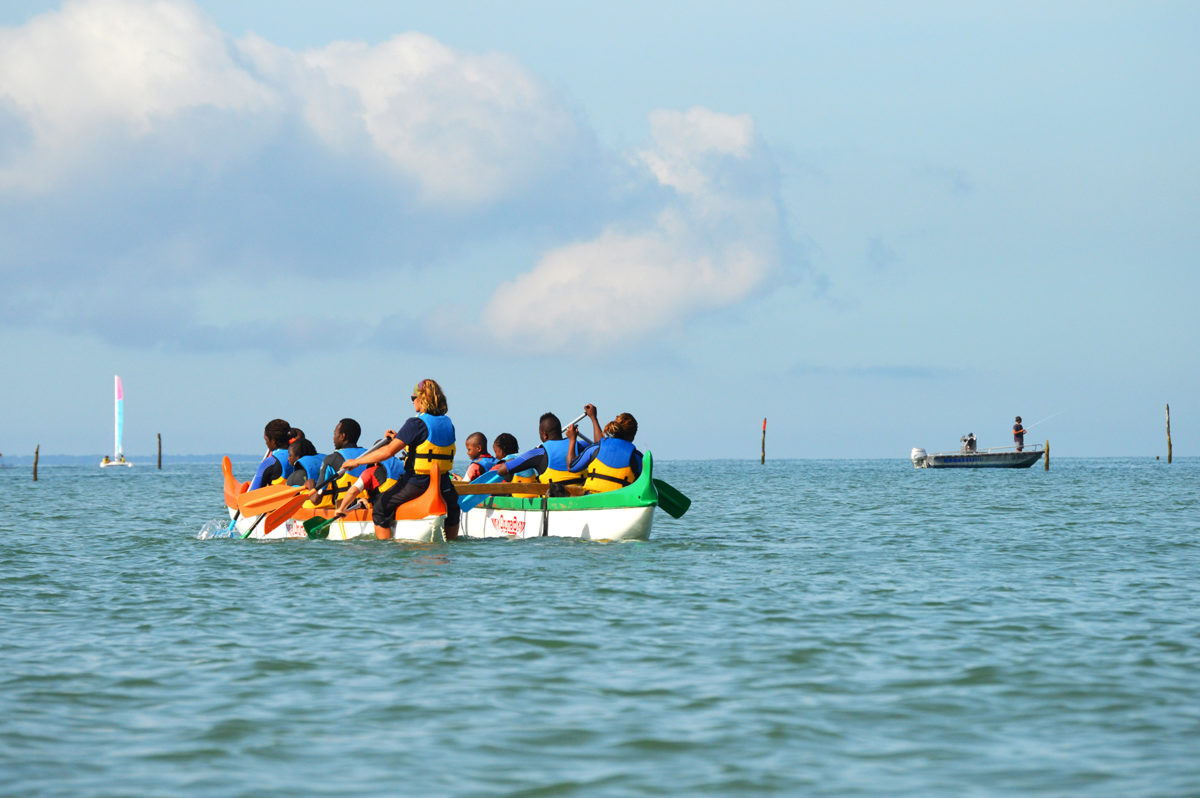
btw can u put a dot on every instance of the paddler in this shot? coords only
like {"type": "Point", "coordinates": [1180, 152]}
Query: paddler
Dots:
{"type": "Point", "coordinates": [481, 461]}
{"type": "Point", "coordinates": [613, 461]}
{"type": "Point", "coordinates": [549, 459]}
{"type": "Point", "coordinates": [429, 438]}
{"type": "Point", "coordinates": [275, 465]}
{"type": "Point", "coordinates": [305, 461]}
{"type": "Point", "coordinates": [345, 445]}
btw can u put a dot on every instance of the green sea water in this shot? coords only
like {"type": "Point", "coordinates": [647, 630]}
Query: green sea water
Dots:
{"type": "Point", "coordinates": [808, 628]}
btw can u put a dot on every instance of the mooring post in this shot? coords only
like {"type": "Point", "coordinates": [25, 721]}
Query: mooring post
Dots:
{"type": "Point", "coordinates": [762, 460]}
{"type": "Point", "coordinates": [36, 452]}
{"type": "Point", "coordinates": [160, 451]}
{"type": "Point", "coordinates": [1168, 433]}
{"type": "Point", "coordinates": [1046, 458]}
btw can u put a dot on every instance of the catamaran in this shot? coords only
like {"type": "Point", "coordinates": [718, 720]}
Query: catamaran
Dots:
{"type": "Point", "coordinates": [118, 458]}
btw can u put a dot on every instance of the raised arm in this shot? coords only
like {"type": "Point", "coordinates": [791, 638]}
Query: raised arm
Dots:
{"type": "Point", "coordinates": [597, 433]}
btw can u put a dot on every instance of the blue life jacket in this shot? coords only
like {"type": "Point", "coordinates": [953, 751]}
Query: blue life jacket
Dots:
{"type": "Point", "coordinates": [557, 467]}
{"type": "Point", "coordinates": [311, 463]}
{"type": "Point", "coordinates": [276, 455]}
{"type": "Point", "coordinates": [485, 461]}
{"type": "Point", "coordinates": [347, 453]}
{"type": "Point", "coordinates": [527, 472]}
{"type": "Point", "coordinates": [613, 467]}
{"type": "Point", "coordinates": [394, 467]}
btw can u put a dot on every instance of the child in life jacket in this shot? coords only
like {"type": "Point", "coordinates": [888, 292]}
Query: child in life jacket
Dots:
{"type": "Point", "coordinates": [481, 461]}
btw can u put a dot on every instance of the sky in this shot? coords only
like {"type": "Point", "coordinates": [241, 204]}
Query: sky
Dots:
{"type": "Point", "coordinates": [877, 225]}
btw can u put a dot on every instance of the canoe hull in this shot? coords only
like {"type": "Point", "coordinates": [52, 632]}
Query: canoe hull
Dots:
{"type": "Point", "coordinates": [623, 514]}
{"type": "Point", "coordinates": [614, 523]}
{"type": "Point", "coordinates": [431, 529]}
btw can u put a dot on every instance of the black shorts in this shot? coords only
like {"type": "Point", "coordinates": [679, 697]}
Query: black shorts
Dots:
{"type": "Point", "coordinates": [384, 508]}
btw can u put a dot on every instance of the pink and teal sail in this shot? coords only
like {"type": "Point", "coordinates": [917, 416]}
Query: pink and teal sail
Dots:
{"type": "Point", "coordinates": [118, 457]}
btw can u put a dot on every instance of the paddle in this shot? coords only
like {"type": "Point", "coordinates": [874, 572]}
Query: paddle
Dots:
{"type": "Point", "coordinates": [264, 500]}
{"type": "Point", "coordinates": [318, 528]}
{"type": "Point", "coordinates": [486, 478]}
{"type": "Point", "coordinates": [670, 499]}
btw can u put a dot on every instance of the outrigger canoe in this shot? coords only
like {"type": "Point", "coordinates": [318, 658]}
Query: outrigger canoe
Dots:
{"type": "Point", "coordinates": [622, 514]}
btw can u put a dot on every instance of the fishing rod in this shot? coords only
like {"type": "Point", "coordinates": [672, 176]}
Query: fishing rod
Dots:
{"type": "Point", "coordinates": [1042, 421]}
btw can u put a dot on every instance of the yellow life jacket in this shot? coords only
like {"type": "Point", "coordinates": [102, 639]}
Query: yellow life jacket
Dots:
{"type": "Point", "coordinates": [332, 491]}
{"type": "Point", "coordinates": [530, 479]}
{"type": "Point", "coordinates": [612, 468]}
{"type": "Point", "coordinates": [438, 447]}
{"type": "Point", "coordinates": [557, 467]}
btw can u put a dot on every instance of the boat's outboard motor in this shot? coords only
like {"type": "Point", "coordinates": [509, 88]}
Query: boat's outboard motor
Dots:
{"type": "Point", "coordinates": [918, 457]}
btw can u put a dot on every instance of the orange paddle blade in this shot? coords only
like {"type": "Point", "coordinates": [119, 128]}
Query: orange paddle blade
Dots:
{"type": "Point", "coordinates": [264, 500]}
{"type": "Point", "coordinates": [284, 511]}
{"type": "Point", "coordinates": [428, 503]}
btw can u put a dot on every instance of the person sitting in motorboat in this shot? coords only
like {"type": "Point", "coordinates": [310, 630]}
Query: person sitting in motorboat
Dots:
{"type": "Point", "coordinates": [275, 465]}
{"type": "Point", "coordinates": [968, 442]}
{"type": "Point", "coordinates": [305, 460]}
{"type": "Point", "coordinates": [477, 452]}
{"type": "Point", "coordinates": [429, 439]}
{"type": "Point", "coordinates": [549, 459]}
{"type": "Point", "coordinates": [613, 461]}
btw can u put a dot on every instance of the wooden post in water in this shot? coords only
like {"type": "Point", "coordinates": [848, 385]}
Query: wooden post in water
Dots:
{"type": "Point", "coordinates": [1046, 457]}
{"type": "Point", "coordinates": [762, 460]}
{"type": "Point", "coordinates": [1168, 433]}
{"type": "Point", "coordinates": [37, 451]}
{"type": "Point", "coordinates": [160, 451]}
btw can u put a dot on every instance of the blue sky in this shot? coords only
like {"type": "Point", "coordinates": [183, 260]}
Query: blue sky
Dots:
{"type": "Point", "coordinates": [880, 225]}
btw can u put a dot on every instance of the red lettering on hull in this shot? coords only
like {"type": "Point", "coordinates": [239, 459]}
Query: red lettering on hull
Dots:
{"type": "Point", "coordinates": [508, 526]}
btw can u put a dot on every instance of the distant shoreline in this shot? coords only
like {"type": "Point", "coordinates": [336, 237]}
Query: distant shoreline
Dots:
{"type": "Point", "coordinates": [150, 459]}
{"type": "Point", "coordinates": [215, 459]}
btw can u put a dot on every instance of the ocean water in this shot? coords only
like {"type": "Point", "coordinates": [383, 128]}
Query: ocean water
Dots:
{"type": "Point", "coordinates": [808, 628]}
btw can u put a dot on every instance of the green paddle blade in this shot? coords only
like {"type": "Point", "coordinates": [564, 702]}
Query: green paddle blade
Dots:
{"type": "Point", "coordinates": [318, 528]}
{"type": "Point", "coordinates": [671, 500]}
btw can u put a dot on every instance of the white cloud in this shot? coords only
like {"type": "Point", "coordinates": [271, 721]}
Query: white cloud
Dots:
{"type": "Point", "coordinates": [468, 128]}
{"type": "Point", "coordinates": [143, 150]}
{"type": "Point", "coordinates": [716, 241]}
{"type": "Point", "coordinates": [463, 129]}
{"type": "Point", "coordinates": [99, 68]}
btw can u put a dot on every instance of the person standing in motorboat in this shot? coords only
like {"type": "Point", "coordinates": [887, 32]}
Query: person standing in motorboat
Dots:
{"type": "Point", "coordinates": [1019, 434]}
